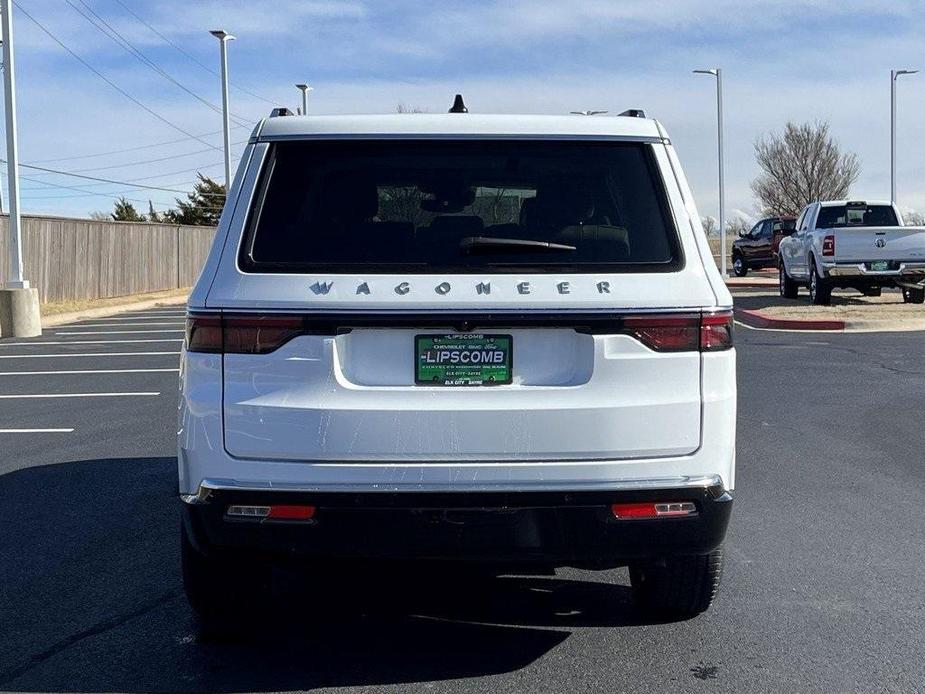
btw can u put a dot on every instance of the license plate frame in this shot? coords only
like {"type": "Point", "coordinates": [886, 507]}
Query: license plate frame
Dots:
{"type": "Point", "coordinates": [879, 265]}
{"type": "Point", "coordinates": [432, 369]}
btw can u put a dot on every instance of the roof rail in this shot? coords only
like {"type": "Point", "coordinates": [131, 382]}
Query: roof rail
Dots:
{"type": "Point", "coordinates": [634, 113]}
{"type": "Point", "coordinates": [280, 111]}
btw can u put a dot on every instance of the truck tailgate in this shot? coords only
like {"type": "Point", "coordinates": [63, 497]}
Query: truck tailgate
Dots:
{"type": "Point", "coordinates": [864, 244]}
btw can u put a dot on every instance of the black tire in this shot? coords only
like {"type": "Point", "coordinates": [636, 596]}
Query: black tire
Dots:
{"type": "Point", "coordinates": [820, 291]}
{"type": "Point", "coordinates": [225, 596]}
{"type": "Point", "coordinates": [739, 266]}
{"type": "Point", "coordinates": [678, 587]}
{"type": "Point", "coordinates": [788, 288]}
{"type": "Point", "coordinates": [913, 296]}
{"type": "Point", "coordinates": [873, 291]}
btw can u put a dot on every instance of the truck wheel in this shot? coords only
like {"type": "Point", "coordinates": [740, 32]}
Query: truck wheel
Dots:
{"type": "Point", "coordinates": [223, 594]}
{"type": "Point", "coordinates": [820, 292]}
{"type": "Point", "coordinates": [872, 291]}
{"type": "Point", "coordinates": [788, 288]}
{"type": "Point", "coordinates": [739, 266]}
{"type": "Point", "coordinates": [678, 587]}
{"type": "Point", "coordinates": [913, 296]}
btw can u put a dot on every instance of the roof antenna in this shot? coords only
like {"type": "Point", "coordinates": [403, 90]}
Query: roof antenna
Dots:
{"type": "Point", "coordinates": [458, 105]}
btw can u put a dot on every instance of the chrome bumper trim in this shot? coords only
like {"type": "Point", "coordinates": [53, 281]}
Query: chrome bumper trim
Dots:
{"type": "Point", "coordinates": [687, 482]}
{"type": "Point", "coordinates": [858, 270]}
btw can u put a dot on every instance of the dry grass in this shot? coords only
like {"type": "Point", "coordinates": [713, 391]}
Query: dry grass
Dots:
{"type": "Point", "coordinates": [846, 305]}
{"type": "Point", "coordinates": [51, 309]}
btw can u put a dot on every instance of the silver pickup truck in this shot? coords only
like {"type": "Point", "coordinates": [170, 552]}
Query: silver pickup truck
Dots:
{"type": "Point", "coordinates": [852, 244]}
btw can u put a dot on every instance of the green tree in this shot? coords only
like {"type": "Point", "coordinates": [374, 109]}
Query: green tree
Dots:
{"type": "Point", "coordinates": [202, 207]}
{"type": "Point", "coordinates": [124, 211]}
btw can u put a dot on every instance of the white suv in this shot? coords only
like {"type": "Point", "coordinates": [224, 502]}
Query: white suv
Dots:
{"type": "Point", "coordinates": [459, 337]}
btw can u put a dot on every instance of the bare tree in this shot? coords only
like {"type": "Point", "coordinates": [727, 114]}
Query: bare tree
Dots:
{"type": "Point", "coordinates": [802, 165]}
{"type": "Point", "coordinates": [709, 225]}
{"type": "Point", "coordinates": [737, 225]}
{"type": "Point", "coordinates": [404, 108]}
{"type": "Point", "coordinates": [913, 218]}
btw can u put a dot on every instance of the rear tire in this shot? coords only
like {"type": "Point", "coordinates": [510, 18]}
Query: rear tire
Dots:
{"type": "Point", "coordinates": [678, 587]}
{"type": "Point", "coordinates": [788, 288]}
{"type": "Point", "coordinates": [224, 594]}
{"type": "Point", "coordinates": [739, 266]}
{"type": "Point", "coordinates": [820, 292]}
{"type": "Point", "coordinates": [913, 296]}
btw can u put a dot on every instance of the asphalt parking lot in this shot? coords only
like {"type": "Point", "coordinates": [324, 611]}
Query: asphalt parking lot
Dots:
{"type": "Point", "coordinates": [823, 590]}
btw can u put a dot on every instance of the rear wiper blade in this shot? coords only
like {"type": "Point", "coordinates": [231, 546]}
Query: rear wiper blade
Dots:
{"type": "Point", "coordinates": [494, 244]}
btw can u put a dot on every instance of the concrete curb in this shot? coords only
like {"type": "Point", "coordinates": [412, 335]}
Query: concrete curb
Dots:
{"type": "Point", "coordinates": [757, 319]}
{"type": "Point", "coordinates": [752, 284]}
{"type": "Point", "coordinates": [104, 311]}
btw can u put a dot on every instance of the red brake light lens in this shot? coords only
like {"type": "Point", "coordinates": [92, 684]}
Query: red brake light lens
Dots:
{"type": "Point", "coordinates": [240, 334]}
{"type": "Point", "coordinates": [716, 331]}
{"type": "Point", "coordinates": [665, 333]}
{"type": "Point", "coordinates": [204, 333]}
{"type": "Point", "coordinates": [828, 245]}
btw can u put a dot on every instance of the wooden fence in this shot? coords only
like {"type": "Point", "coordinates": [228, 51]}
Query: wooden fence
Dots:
{"type": "Point", "coordinates": [68, 259]}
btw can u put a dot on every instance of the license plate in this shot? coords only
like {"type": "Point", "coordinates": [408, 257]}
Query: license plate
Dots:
{"type": "Point", "coordinates": [880, 265]}
{"type": "Point", "coordinates": [463, 360]}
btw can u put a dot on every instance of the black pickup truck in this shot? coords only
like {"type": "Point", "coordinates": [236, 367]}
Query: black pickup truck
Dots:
{"type": "Point", "coordinates": [758, 248]}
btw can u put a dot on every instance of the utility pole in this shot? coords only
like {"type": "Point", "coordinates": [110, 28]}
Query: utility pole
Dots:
{"type": "Point", "coordinates": [223, 39]}
{"type": "Point", "coordinates": [305, 89]}
{"type": "Point", "coordinates": [19, 304]}
{"type": "Point", "coordinates": [894, 75]}
{"type": "Point", "coordinates": [718, 74]}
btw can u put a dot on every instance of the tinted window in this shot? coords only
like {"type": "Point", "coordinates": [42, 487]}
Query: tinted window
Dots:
{"type": "Point", "coordinates": [784, 226]}
{"type": "Point", "coordinates": [856, 215]}
{"type": "Point", "coordinates": [439, 206]}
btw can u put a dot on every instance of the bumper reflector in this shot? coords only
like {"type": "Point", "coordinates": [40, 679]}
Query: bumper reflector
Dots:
{"type": "Point", "coordinates": [651, 509]}
{"type": "Point", "coordinates": [275, 512]}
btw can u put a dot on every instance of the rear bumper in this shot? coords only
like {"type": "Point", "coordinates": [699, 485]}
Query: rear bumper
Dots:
{"type": "Point", "coordinates": [899, 273]}
{"type": "Point", "coordinates": [553, 528]}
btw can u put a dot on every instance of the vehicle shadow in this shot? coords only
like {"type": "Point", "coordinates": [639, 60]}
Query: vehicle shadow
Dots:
{"type": "Point", "coordinates": [90, 600]}
{"type": "Point", "coordinates": [757, 300]}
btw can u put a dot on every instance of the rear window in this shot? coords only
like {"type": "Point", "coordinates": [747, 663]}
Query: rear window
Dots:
{"type": "Point", "coordinates": [860, 214]}
{"type": "Point", "coordinates": [457, 206]}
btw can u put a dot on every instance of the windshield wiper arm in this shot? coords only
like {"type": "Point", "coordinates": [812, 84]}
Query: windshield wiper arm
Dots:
{"type": "Point", "coordinates": [494, 244]}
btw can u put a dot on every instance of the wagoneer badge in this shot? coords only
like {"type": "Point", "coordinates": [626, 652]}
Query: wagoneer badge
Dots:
{"type": "Point", "coordinates": [444, 288]}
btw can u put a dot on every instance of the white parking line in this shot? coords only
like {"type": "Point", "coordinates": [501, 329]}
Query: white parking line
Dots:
{"type": "Point", "coordinates": [86, 371]}
{"type": "Point", "coordinates": [87, 354]}
{"type": "Point", "coordinates": [119, 325]}
{"type": "Point", "coordinates": [117, 332]}
{"type": "Point", "coordinates": [89, 342]}
{"type": "Point", "coordinates": [36, 431]}
{"type": "Point", "coordinates": [74, 395]}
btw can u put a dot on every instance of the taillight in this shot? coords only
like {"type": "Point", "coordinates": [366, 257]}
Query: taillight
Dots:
{"type": "Point", "coordinates": [828, 245]}
{"type": "Point", "coordinates": [716, 331]}
{"type": "Point", "coordinates": [708, 332]}
{"type": "Point", "coordinates": [665, 333]}
{"type": "Point", "coordinates": [204, 333]}
{"type": "Point", "coordinates": [240, 334]}
{"type": "Point", "coordinates": [285, 512]}
{"type": "Point", "coordinates": [651, 509]}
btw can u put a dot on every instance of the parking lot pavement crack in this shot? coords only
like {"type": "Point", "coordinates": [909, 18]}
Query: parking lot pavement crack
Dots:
{"type": "Point", "coordinates": [14, 673]}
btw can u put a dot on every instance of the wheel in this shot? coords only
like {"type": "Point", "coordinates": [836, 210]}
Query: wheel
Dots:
{"type": "Point", "coordinates": [224, 595]}
{"type": "Point", "coordinates": [820, 292]}
{"type": "Point", "coordinates": [913, 296]}
{"type": "Point", "coordinates": [872, 291]}
{"type": "Point", "coordinates": [677, 587]}
{"type": "Point", "coordinates": [739, 266]}
{"type": "Point", "coordinates": [788, 288]}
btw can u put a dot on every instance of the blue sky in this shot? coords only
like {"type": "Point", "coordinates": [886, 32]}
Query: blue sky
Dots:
{"type": "Point", "coordinates": [782, 59]}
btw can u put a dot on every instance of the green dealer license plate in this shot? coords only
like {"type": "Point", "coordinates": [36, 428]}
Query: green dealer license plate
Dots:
{"type": "Point", "coordinates": [463, 360]}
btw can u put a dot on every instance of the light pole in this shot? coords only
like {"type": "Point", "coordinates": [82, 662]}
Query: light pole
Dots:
{"type": "Point", "coordinates": [894, 75]}
{"type": "Point", "coordinates": [19, 304]}
{"type": "Point", "coordinates": [223, 38]}
{"type": "Point", "coordinates": [718, 74]}
{"type": "Point", "coordinates": [305, 89]}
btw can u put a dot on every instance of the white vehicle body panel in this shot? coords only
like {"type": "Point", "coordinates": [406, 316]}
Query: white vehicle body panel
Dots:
{"type": "Point", "coordinates": [342, 412]}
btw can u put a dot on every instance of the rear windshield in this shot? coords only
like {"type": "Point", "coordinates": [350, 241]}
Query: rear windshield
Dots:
{"type": "Point", "coordinates": [856, 215]}
{"type": "Point", "coordinates": [454, 206]}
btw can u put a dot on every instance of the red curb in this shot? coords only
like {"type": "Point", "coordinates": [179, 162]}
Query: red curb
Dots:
{"type": "Point", "coordinates": [751, 284]}
{"type": "Point", "coordinates": [757, 319]}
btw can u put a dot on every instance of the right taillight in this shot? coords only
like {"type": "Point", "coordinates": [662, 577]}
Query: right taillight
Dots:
{"type": "Point", "coordinates": [828, 245]}
{"type": "Point", "coordinates": [716, 331]}
{"type": "Point", "coordinates": [707, 332]}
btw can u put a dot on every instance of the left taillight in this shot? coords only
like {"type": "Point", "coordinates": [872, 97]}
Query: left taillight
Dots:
{"type": "Point", "coordinates": [241, 334]}
{"type": "Point", "coordinates": [706, 332]}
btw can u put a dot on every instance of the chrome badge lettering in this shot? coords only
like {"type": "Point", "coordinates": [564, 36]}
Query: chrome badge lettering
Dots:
{"type": "Point", "coordinates": [363, 288]}
{"type": "Point", "coordinates": [483, 288]}
{"type": "Point", "coordinates": [443, 288]}
{"type": "Point", "coordinates": [402, 288]}
{"type": "Point", "coordinates": [321, 287]}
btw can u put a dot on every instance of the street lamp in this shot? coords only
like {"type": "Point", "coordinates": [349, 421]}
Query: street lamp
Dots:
{"type": "Point", "coordinates": [305, 89]}
{"type": "Point", "coordinates": [894, 75]}
{"type": "Point", "coordinates": [223, 38]}
{"type": "Point", "coordinates": [718, 74]}
{"type": "Point", "coordinates": [19, 303]}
